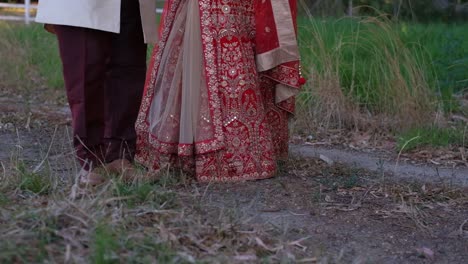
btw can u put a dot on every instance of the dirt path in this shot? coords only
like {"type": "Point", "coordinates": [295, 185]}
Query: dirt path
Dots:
{"type": "Point", "coordinates": [31, 147]}
{"type": "Point", "coordinates": [344, 212]}
{"type": "Point", "coordinates": [379, 162]}
{"type": "Point", "coordinates": [348, 226]}
{"type": "Point", "coordinates": [374, 161]}
{"type": "Point", "coordinates": [334, 213]}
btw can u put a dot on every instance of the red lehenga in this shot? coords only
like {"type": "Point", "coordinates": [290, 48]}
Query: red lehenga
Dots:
{"type": "Point", "coordinates": [220, 89]}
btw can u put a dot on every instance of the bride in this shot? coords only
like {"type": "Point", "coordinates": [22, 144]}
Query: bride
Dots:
{"type": "Point", "coordinates": [220, 89]}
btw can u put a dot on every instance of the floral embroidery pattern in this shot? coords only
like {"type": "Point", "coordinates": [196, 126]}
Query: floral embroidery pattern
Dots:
{"type": "Point", "coordinates": [247, 131]}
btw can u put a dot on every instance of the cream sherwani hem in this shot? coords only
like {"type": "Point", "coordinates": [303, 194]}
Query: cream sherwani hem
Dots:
{"type": "Point", "coordinates": [96, 14]}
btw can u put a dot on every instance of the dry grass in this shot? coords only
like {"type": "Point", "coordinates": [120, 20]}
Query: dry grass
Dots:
{"type": "Point", "coordinates": [152, 226]}
{"type": "Point", "coordinates": [12, 50]}
{"type": "Point", "coordinates": [370, 78]}
{"type": "Point", "coordinates": [30, 65]}
{"type": "Point", "coordinates": [44, 217]}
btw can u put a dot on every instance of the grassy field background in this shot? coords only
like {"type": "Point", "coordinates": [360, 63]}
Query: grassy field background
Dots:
{"type": "Point", "coordinates": [362, 49]}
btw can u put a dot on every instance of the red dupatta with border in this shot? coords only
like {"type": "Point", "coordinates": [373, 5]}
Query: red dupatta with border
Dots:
{"type": "Point", "coordinates": [277, 49]}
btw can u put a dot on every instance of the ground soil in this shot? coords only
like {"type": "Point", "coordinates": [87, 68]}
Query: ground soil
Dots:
{"type": "Point", "coordinates": [389, 163]}
{"type": "Point", "coordinates": [350, 225]}
{"type": "Point", "coordinates": [351, 211]}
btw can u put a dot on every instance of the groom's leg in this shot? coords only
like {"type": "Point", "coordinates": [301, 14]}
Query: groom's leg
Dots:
{"type": "Point", "coordinates": [84, 54]}
{"type": "Point", "coordinates": [124, 85]}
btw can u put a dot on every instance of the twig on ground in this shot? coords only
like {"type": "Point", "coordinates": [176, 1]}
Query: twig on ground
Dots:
{"type": "Point", "coordinates": [462, 227]}
{"type": "Point", "coordinates": [39, 166]}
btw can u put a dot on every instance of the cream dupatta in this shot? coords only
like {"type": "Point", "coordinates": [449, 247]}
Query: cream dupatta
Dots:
{"type": "Point", "coordinates": [179, 113]}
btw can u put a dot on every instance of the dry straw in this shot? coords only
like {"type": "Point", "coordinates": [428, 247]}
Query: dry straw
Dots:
{"type": "Point", "coordinates": [393, 93]}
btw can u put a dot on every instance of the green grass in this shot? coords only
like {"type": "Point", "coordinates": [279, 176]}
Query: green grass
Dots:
{"type": "Point", "coordinates": [107, 244]}
{"type": "Point", "coordinates": [361, 50]}
{"type": "Point", "coordinates": [37, 183]}
{"type": "Point", "coordinates": [147, 250]}
{"type": "Point", "coordinates": [432, 137]}
{"type": "Point", "coordinates": [138, 193]}
{"type": "Point", "coordinates": [30, 56]}
{"type": "Point", "coordinates": [104, 245]}
{"type": "Point", "coordinates": [3, 199]}
{"type": "Point", "coordinates": [30, 48]}
{"type": "Point", "coordinates": [347, 180]}
{"type": "Point", "coordinates": [445, 47]}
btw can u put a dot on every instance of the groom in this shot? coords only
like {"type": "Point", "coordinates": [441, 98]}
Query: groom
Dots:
{"type": "Point", "coordinates": [103, 52]}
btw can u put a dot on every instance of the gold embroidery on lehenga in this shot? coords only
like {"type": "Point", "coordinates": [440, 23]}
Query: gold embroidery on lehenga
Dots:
{"type": "Point", "coordinates": [249, 132]}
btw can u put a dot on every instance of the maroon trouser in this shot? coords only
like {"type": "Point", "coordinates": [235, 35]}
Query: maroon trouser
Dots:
{"type": "Point", "coordinates": [104, 77]}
